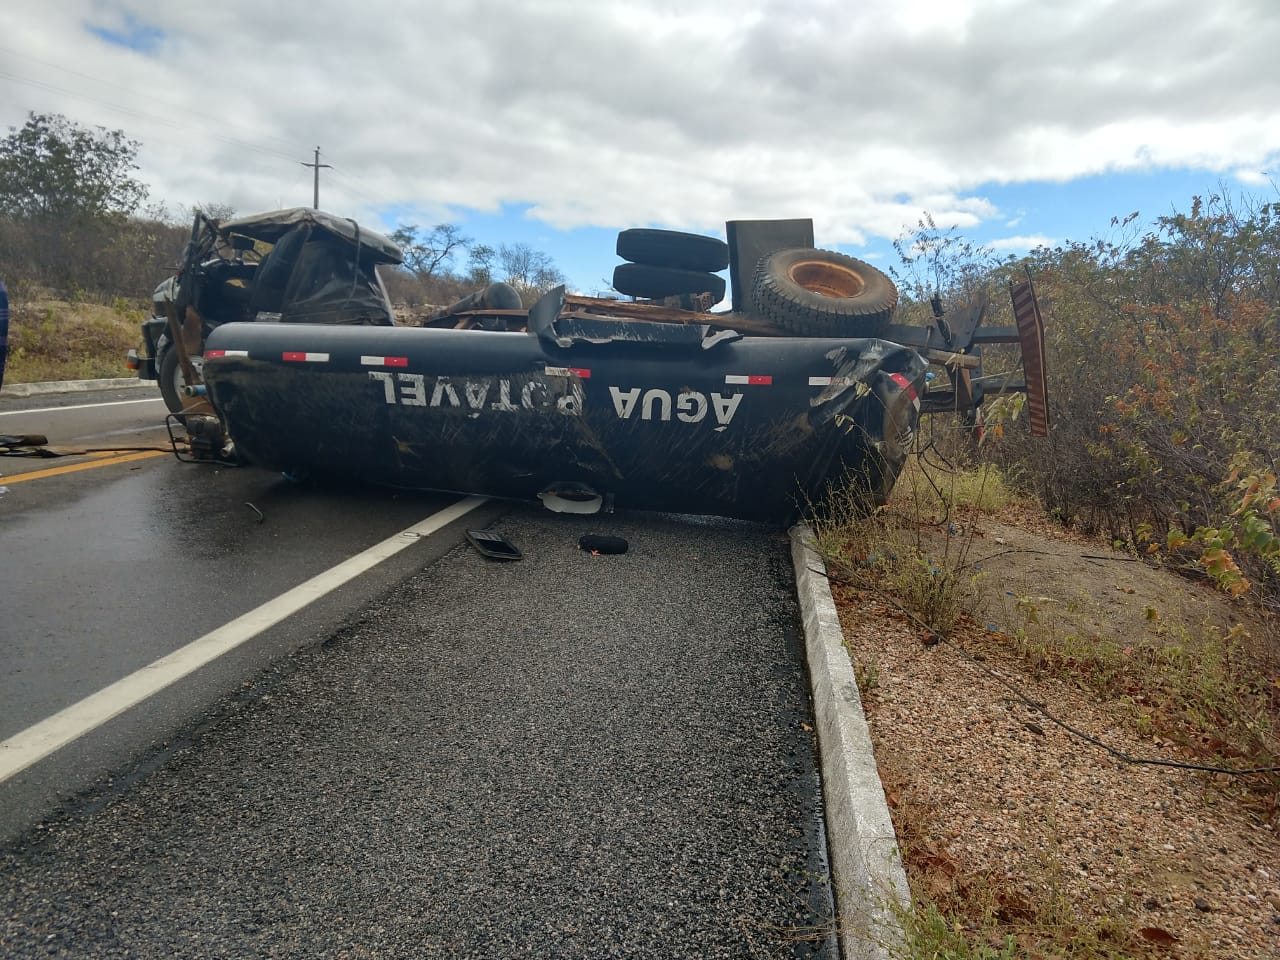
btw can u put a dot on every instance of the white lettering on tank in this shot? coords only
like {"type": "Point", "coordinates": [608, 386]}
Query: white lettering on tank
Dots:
{"type": "Point", "coordinates": [625, 404]}
{"type": "Point", "coordinates": [725, 407]}
{"type": "Point", "coordinates": [571, 403]}
{"type": "Point", "coordinates": [526, 395]}
{"type": "Point", "coordinates": [413, 390]}
{"type": "Point", "coordinates": [691, 407]}
{"type": "Point", "coordinates": [663, 401]}
{"type": "Point", "coordinates": [503, 402]}
{"type": "Point", "coordinates": [444, 389]}
{"type": "Point", "coordinates": [387, 385]}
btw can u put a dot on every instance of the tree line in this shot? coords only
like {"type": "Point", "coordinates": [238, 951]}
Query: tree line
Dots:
{"type": "Point", "coordinates": [73, 216]}
{"type": "Point", "coordinates": [76, 220]}
{"type": "Point", "coordinates": [429, 274]}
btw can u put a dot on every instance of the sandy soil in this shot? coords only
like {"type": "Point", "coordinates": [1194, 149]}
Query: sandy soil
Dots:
{"type": "Point", "coordinates": [998, 807]}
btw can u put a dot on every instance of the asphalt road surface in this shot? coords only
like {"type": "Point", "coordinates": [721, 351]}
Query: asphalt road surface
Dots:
{"type": "Point", "coordinates": [109, 562]}
{"type": "Point", "coordinates": [564, 756]}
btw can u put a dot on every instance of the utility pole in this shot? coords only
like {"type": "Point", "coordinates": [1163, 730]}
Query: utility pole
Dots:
{"type": "Point", "coordinates": [316, 165]}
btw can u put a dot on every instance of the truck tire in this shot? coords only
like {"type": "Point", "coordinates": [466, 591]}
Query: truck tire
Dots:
{"type": "Point", "coordinates": [821, 293]}
{"type": "Point", "coordinates": [169, 376]}
{"type": "Point", "coordinates": [670, 248]}
{"type": "Point", "coordinates": [654, 283]}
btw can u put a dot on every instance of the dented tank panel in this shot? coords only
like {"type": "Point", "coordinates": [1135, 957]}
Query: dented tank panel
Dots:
{"type": "Point", "coordinates": [751, 427]}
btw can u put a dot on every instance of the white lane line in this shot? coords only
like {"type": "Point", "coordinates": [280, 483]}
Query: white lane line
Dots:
{"type": "Point", "coordinates": [38, 741]}
{"type": "Point", "coordinates": [80, 406]}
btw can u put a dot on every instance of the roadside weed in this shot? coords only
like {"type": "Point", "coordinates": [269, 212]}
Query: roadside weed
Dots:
{"type": "Point", "coordinates": [59, 341]}
{"type": "Point", "coordinates": [1197, 687]}
{"type": "Point", "coordinates": [1193, 687]}
{"type": "Point", "coordinates": [867, 676]}
{"type": "Point", "coordinates": [932, 935]}
{"type": "Point", "coordinates": [887, 545]}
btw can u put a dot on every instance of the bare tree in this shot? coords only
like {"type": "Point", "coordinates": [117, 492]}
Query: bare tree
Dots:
{"type": "Point", "coordinates": [528, 269]}
{"type": "Point", "coordinates": [215, 210]}
{"type": "Point", "coordinates": [424, 254]}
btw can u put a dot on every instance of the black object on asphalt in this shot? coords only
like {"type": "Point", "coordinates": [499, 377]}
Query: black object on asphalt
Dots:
{"type": "Point", "coordinates": [494, 545]}
{"type": "Point", "coordinates": [601, 543]}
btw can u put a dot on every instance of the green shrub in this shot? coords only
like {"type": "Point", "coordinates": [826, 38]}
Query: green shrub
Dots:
{"type": "Point", "coordinates": [1164, 388]}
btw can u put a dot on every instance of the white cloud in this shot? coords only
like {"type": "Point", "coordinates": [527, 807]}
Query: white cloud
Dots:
{"type": "Point", "coordinates": [1021, 244]}
{"type": "Point", "coordinates": [682, 114]}
{"type": "Point", "coordinates": [1255, 178]}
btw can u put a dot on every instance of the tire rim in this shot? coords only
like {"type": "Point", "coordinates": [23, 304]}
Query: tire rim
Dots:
{"type": "Point", "coordinates": [180, 382]}
{"type": "Point", "coordinates": [826, 279]}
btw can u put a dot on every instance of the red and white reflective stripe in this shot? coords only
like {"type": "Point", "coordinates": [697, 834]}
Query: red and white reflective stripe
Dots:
{"type": "Point", "coordinates": [753, 381]}
{"type": "Point", "coordinates": [905, 384]}
{"type": "Point", "coordinates": [210, 354]}
{"type": "Point", "coordinates": [569, 372]}
{"type": "Point", "coordinates": [832, 381]}
{"type": "Point", "coordinates": [295, 357]}
{"type": "Point", "coordinates": [384, 361]}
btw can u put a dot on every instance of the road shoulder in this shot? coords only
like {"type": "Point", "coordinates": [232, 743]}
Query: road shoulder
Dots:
{"type": "Point", "coordinates": [73, 386]}
{"type": "Point", "coordinates": [870, 883]}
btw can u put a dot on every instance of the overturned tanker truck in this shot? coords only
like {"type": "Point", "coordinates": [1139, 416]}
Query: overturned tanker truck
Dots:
{"type": "Point", "coordinates": [275, 345]}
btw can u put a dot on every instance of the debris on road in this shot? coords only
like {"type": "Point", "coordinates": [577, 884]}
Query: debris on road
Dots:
{"type": "Point", "coordinates": [493, 545]}
{"type": "Point", "coordinates": [602, 544]}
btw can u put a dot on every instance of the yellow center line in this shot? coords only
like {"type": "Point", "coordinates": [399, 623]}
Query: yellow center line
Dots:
{"type": "Point", "coordinates": [105, 459]}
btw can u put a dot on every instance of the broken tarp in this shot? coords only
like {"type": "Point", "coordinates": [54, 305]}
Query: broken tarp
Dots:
{"type": "Point", "coordinates": [270, 227]}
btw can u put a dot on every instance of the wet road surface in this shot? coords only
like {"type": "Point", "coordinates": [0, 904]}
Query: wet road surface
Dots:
{"type": "Point", "coordinates": [119, 569]}
{"type": "Point", "coordinates": [565, 756]}
{"type": "Point", "coordinates": [106, 569]}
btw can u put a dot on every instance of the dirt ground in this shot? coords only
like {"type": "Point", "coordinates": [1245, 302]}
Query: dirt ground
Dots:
{"type": "Point", "coordinates": [1004, 814]}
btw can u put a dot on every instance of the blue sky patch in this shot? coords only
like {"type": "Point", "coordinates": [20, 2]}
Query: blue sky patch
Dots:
{"type": "Point", "coordinates": [132, 34]}
{"type": "Point", "coordinates": [1027, 213]}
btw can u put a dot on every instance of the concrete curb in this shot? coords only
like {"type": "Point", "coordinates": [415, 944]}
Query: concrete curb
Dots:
{"type": "Point", "coordinates": [871, 889]}
{"type": "Point", "coordinates": [73, 386]}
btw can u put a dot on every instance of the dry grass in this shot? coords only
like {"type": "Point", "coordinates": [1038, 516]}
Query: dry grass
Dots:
{"type": "Point", "coordinates": [1207, 692]}
{"type": "Point", "coordinates": [64, 340]}
{"type": "Point", "coordinates": [1162, 667]}
{"type": "Point", "coordinates": [896, 546]}
{"type": "Point", "coordinates": [965, 914]}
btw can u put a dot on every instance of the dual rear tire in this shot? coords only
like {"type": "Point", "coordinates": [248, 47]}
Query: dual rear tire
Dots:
{"type": "Point", "coordinates": [667, 263]}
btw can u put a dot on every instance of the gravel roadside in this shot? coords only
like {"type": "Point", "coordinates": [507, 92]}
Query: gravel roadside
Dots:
{"type": "Point", "coordinates": [1001, 811]}
{"type": "Point", "coordinates": [567, 756]}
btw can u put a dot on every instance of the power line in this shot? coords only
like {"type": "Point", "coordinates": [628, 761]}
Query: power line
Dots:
{"type": "Point", "coordinates": [935, 638]}
{"type": "Point", "coordinates": [342, 177]}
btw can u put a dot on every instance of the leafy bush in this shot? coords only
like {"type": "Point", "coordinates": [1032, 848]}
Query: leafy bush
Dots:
{"type": "Point", "coordinates": [1164, 384]}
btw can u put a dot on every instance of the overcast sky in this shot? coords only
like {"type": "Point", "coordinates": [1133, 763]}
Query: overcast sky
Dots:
{"type": "Point", "coordinates": [559, 122]}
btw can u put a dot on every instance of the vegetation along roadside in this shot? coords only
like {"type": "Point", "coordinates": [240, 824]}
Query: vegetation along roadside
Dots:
{"type": "Point", "coordinates": [1068, 648]}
